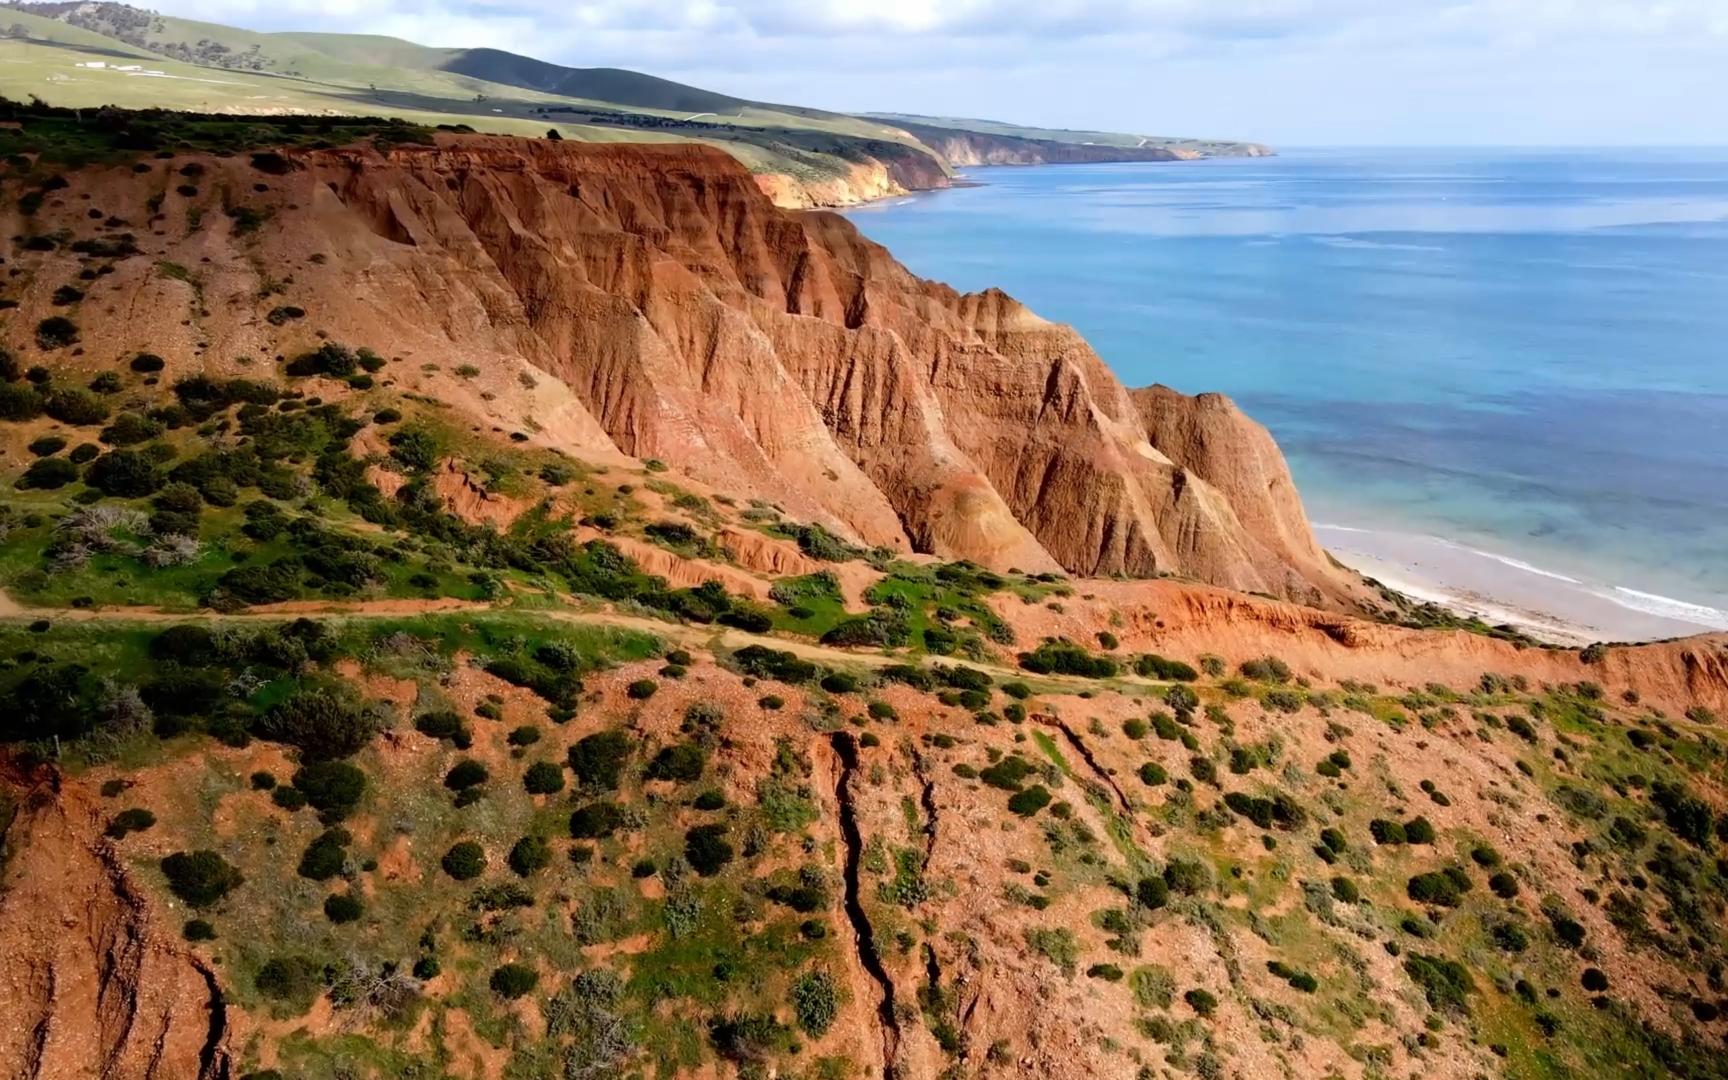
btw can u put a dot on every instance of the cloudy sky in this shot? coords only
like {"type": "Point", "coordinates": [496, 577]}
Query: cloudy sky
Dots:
{"type": "Point", "coordinates": [1291, 72]}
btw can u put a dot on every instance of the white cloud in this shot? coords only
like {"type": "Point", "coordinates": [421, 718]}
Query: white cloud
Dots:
{"type": "Point", "coordinates": [1278, 70]}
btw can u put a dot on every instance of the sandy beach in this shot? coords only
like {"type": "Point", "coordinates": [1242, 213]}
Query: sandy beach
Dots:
{"type": "Point", "coordinates": [1498, 589]}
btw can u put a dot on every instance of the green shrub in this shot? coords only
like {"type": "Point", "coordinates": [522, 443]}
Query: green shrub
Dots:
{"type": "Point", "coordinates": [198, 930]}
{"type": "Point", "coordinates": [48, 474]}
{"type": "Point", "coordinates": [511, 981]}
{"type": "Point", "coordinates": [1152, 893]}
{"type": "Point", "coordinates": [334, 788]}
{"type": "Point", "coordinates": [134, 819]}
{"type": "Point", "coordinates": [19, 402]}
{"type": "Point", "coordinates": [465, 774]}
{"type": "Point", "coordinates": [1345, 891]}
{"type": "Point", "coordinates": [780, 665]}
{"type": "Point", "coordinates": [200, 878]}
{"type": "Point", "coordinates": [325, 856]}
{"type": "Point", "coordinates": [706, 849]}
{"type": "Point", "coordinates": [1509, 937]}
{"type": "Point", "coordinates": [529, 855]}
{"type": "Point", "coordinates": [1442, 888]}
{"type": "Point", "coordinates": [1187, 877]}
{"type": "Point", "coordinates": [642, 689]}
{"type": "Point", "coordinates": [543, 778]}
{"type": "Point", "coordinates": [439, 724]}
{"type": "Point", "coordinates": [80, 408]}
{"type": "Point", "coordinates": [598, 759]}
{"type": "Point", "coordinates": [1503, 885]}
{"type": "Point", "coordinates": [464, 861]}
{"type": "Point", "coordinates": [1445, 983]}
{"type": "Point", "coordinates": [56, 332]}
{"type": "Point", "coordinates": [1028, 802]}
{"type": "Point", "coordinates": [1266, 669]}
{"type": "Point", "coordinates": [880, 628]}
{"type": "Point", "coordinates": [321, 723]}
{"type": "Point", "coordinates": [1386, 832]}
{"type": "Point", "coordinates": [680, 763]}
{"type": "Point", "coordinates": [342, 908]}
{"type": "Point", "coordinates": [1201, 1001]}
{"type": "Point", "coordinates": [1280, 811]}
{"type": "Point", "coordinates": [596, 821]}
{"type": "Point", "coordinates": [293, 980]}
{"type": "Point", "coordinates": [1153, 666]}
{"type": "Point", "coordinates": [1152, 774]}
{"type": "Point", "coordinates": [815, 1002]}
{"type": "Point", "coordinates": [1063, 657]}
{"type": "Point", "coordinates": [1419, 830]}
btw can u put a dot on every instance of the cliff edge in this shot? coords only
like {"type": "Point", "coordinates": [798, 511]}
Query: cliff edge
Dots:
{"type": "Point", "coordinates": [651, 299]}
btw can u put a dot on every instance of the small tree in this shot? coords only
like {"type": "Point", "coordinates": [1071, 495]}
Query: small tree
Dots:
{"type": "Point", "coordinates": [513, 980]}
{"type": "Point", "coordinates": [200, 878]}
{"type": "Point", "coordinates": [464, 861]}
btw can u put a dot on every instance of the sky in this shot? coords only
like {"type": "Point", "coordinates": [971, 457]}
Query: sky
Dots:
{"type": "Point", "coordinates": [1286, 72]}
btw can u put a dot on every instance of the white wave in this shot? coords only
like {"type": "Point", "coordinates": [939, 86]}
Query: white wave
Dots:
{"type": "Point", "coordinates": [1339, 528]}
{"type": "Point", "coordinates": [1371, 245]}
{"type": "Point", "coordinates": [1668, 607]}
{"type": "Point", "coordinates": [1507, 560]}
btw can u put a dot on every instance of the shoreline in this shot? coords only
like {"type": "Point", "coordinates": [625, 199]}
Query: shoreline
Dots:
{"type": "Point", "coordinates": [1549, 606]}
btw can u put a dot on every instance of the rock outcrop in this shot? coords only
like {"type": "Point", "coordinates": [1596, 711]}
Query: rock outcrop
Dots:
{"type": "Point", "coordinates": [96, 986]}
{"type": "Point", "coordinates": [960, 147]}
{"type": "Point", "coordinates": [650, 299]}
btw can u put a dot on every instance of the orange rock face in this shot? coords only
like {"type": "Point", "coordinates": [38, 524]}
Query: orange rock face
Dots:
{"type": "Point", "coordinates": [652, 300]}
{"type": "Point", "coordinates": [94, 983]}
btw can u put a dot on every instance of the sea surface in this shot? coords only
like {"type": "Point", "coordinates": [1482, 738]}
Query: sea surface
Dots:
{"type": "Point", "coordinates": [1516, 359]}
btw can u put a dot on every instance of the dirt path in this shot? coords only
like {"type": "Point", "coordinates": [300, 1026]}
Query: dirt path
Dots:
{"type": "Point", "coordinates": [712, 638]}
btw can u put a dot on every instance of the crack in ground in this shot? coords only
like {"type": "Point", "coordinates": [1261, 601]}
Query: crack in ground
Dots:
{"type": "Point", "coordinates": [863, 937]}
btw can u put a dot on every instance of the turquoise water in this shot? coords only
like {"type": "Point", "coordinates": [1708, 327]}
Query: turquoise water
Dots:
{"type": "Point", "coordinates": [1524, 353]}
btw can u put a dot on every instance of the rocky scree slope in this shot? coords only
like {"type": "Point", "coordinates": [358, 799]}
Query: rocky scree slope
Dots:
{"type": "Point", "coordinates": [652, 300]}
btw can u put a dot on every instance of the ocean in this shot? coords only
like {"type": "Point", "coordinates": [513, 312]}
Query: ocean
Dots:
{"type": "Point", "coordinates": [1497, 374]}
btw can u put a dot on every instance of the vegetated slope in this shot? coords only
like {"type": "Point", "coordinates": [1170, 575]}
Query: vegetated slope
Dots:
{"type": "Point", "coordinates": [653, 300]}
{"type": "Point", "coordinates": [478, 749]}
{"type": "Point", "coordinates": [805, 157]}
{"type": "Point", "coordinates": [1182, 147]}
{"type": "Point", "coordinates": [694, 863]}
{"type": "Point", "coordinates": [614, 85]}
{"type": "Point", "coordinates": [961, 148]}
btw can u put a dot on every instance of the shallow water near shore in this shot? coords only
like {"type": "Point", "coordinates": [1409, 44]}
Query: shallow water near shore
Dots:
{"type": "Point", "coordinates": [1500, 374]}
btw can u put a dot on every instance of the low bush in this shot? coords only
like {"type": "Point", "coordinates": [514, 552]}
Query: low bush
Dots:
{"type": "Point", "coordinates": [596, 821]}
{"type": "Point", "coordinates": [464, 861]}
{"type": "Point", "coordinates": [200, 878]}
{"type": "Point", "coordinates": [511, 981]}
{"type": "Point", "coordinates": [342, 908]}
{"type": "Point", "coordinates": [134, 819]}
{"type": "Point", "coordinates": [706, 849]}
{"type": "Point", "coordinates": [543, 778]}
{"type": "Point", "coordinates": [1445, 983]}
{"type": "Point", "coordinates": [528, 855]}
{"type": "Point", "coordinates": [598, 759]}
{"type": "Point", "coordinates": [334, 788]}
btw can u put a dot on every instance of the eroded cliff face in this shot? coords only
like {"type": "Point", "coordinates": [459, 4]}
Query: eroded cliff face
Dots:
{"type": "Point", "coordinates": [652, 300]}
{"type": "Point", "coordinates": [890, 169]}
{"type": "Point", "coordinates": [96, 984]}
{"type": "Point", "coordinates": [965, 148]}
